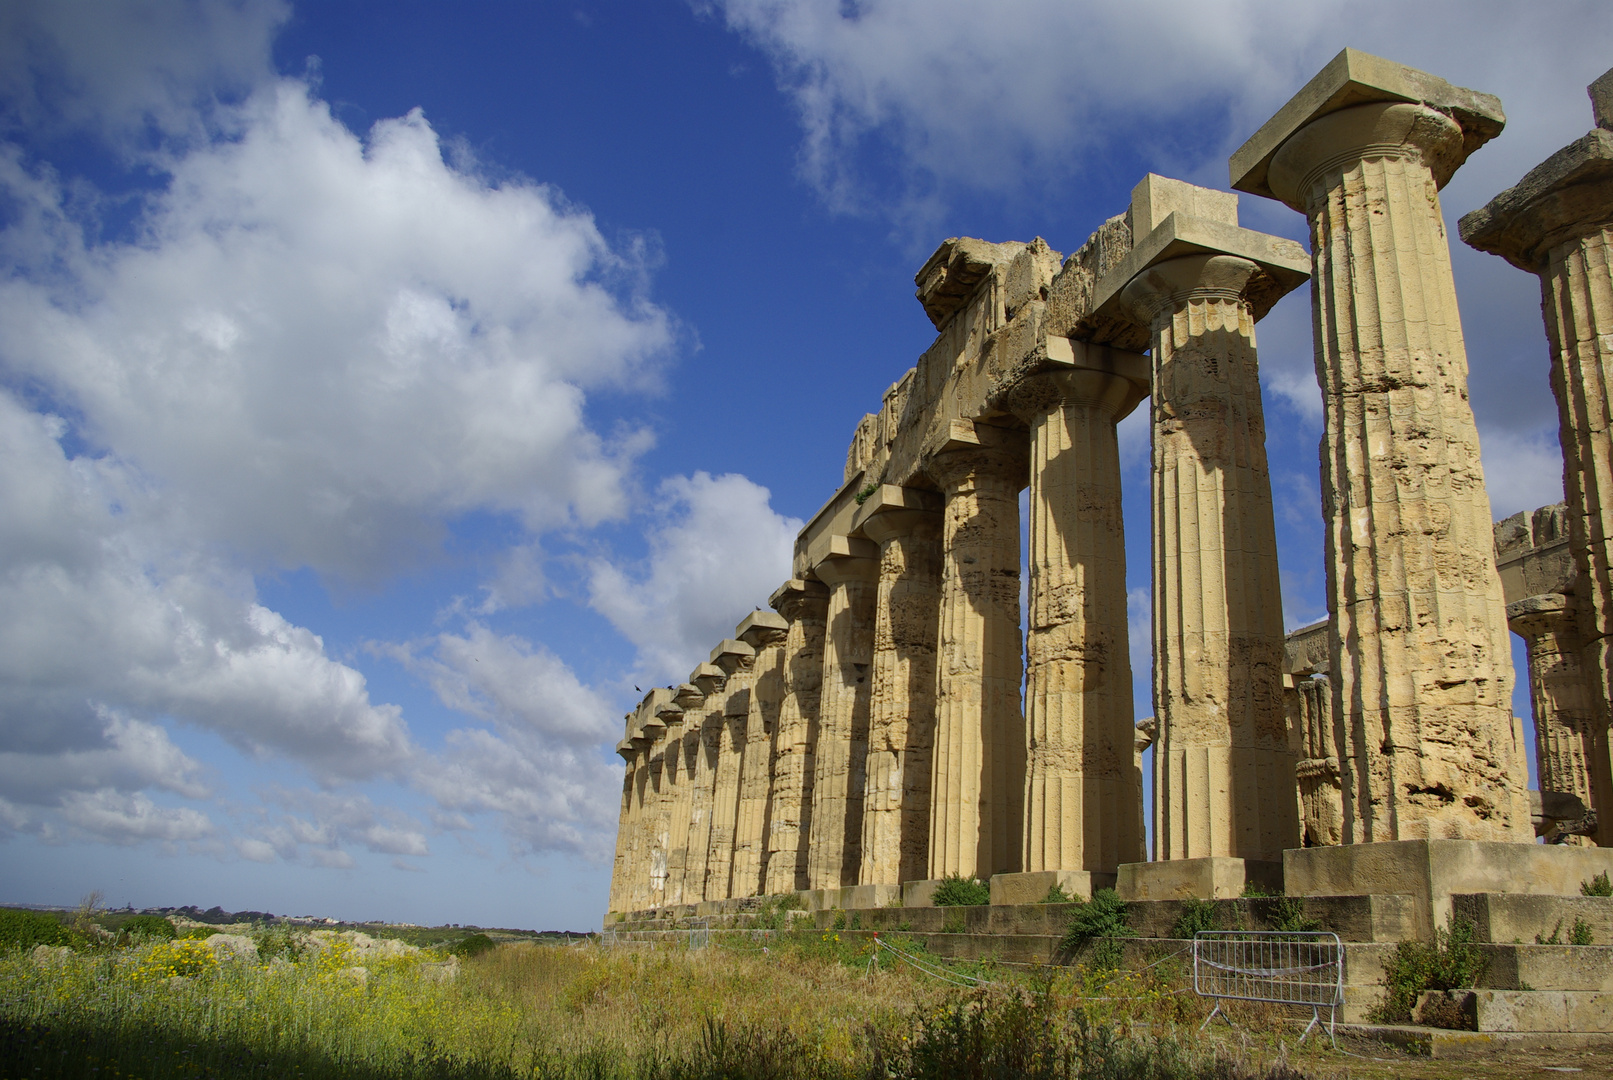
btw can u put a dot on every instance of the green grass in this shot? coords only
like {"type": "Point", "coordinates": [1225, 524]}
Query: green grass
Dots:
{"type": "Point", "coordinates": [809, 1006]}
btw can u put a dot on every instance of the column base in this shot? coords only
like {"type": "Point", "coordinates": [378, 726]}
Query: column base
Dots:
{"type": "Point", "coordinates": [1211, 878]}
{"type": "Point", "coordinates": [1032, 888]}
{"type": "Point", "coordinates": [920, 893]}
{"type": "Point", "coordinates": [1433, 871]}
{"type": "Point", "coordinates": [861, 897]}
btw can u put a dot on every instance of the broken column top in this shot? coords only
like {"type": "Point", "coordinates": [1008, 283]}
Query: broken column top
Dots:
{"type": "Point", "coordinates": [1532, 553]}
{"type": "Point", "coordinates": [1558, 198]}
{"type": "Point", "coordinates": [1601, 92]}
{"type": "Point", "coordinates": [1358, 78]}
{"type": "Point", "coordinates": [948, 278]}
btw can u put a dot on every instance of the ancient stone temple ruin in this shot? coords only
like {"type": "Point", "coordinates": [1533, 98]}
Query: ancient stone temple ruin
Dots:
{"type": "Point", "coordinates": [888, 722]}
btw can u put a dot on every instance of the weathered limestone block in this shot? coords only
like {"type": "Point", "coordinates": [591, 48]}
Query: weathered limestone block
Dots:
{"type": "Point", "coordinates": [977, 792]}
{"type": "Point", "coordinates": [684, 755]}
{"type": "Point", "coordinates": [1421, 659]}
{"type": "Point", "coordinates": [804, 605]}
{"type": "Point", "coordinates": [763, 631]}
{"type": "Point", "coordinates": [1222, 764]}
{"type": "Point", "coordinates": [852, 574]}
{"type": "Point", "coordinates": [1557, 223]}
{"type": "Point", "coordinates": [737, 660]}
{"type": "Point", "coordinates": [1081, 789]}
{"type": "Point", "coordinates": [901, 731]}
{"type": "Point", "coordinates": [708, 722]}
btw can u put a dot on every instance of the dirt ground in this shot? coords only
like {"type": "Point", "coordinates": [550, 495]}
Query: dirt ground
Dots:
{"type": "Point", "coordinates": [1364, 1059]}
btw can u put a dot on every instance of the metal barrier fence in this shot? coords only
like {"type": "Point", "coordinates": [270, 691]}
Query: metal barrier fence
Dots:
{"type": "Point", "coordinates": [1283, 968]}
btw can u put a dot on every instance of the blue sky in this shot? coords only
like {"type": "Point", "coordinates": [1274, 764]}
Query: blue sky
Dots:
{"type": "Point", "coordinates": [387, 389]}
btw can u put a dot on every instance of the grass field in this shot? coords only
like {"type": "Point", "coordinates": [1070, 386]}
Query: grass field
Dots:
{"type": "Point", "coordinates": [803, 1005]}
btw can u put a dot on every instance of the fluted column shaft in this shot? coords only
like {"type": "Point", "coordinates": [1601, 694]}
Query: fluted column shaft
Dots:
{"type": "Point", "coordinates": [790, 799]}
{"type": "Point", "coordinates": [624, 835]}
{"type": "Point", "coordinates": [750, 838]}
{"type": "Point", "coordinates": [638, 888]}
{"type": "Point", "coordinates": [1562, 699]}
{"type": "Point", "coordinates": [977, 788]}
{"type": "Point", "coordinates": [1420, 656]}
{"type": "Point", "coordinates": [1082, 789]}
{"type": "Point", "coordinates": [1223, 767]}
{"type": "Point", "coordinates": [901, 730]}
{"type": "Point", "coordinates": [1577, 301]}
{"type": "Point", "coordinates": [843, 712]}
{"type": "Point", "coordinates": [708, 724]}
{"type": "Point", "coordinates": [725, 798]}
{"type": "Point", "coordinates": [659, 819]}
{"type": "Point", "coordinates": [682, 750]}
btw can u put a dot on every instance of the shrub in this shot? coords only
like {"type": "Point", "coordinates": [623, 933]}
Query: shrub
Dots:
{"type": "Point", "coordinates": [958, 891]}
{"type": "Point", "coordinates": [475, 945]}
{"type": "Point", "coordinates": [1556, 936]}
{"type": "Point", "coordinates": [1104, 922]}
{"type": "Point", "coordinates": [1196, 915]}
{"type": "Point", "coordinates": [29, 929]}
{"type": "Point", "coordinates": [839, 920]}
{"type": "Point", "coordinates": [954, 923]}
{"type": "Point", "coordinates": [1597, 886]}
{"type": "Point", "coordinates": [148, 927]}
{"type": "Point", "coordinates": [1451, 962]}
{"type": "Point", "coordinates": [1057, 895]}
{"type": "Point", "coordinates": [1288, 914]}
{"type": "Point", "coordinates": [1581, 933]}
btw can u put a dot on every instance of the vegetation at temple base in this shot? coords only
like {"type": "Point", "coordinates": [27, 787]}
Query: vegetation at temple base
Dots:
{"type": "Point", "coordinates": [1102, 925]}
{"type": "Point", "coordinates": [1451, 962]}
{"type": "Point", "coordinates": [958, 891]}
{"type": "Point", "coordinates": [1597, 886]}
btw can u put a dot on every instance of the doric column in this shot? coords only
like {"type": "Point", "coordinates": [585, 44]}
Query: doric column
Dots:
{"type": "Point", "coordinates": [1555, 223]}
{"type": "Point", "coordinates": [977, 787]}
{"type": "Point", "coordinates": [624, 825]}
{"type": "Point", "coordinates": [707, 722]}
{"type": "Point", "coordinates": [804, 605]}
{"type": "Point", "coordinates": [736, 659]}
{"type": "Point", "coordinates": [647, 734]}
{"type": "Point", "coordinates": [684, 751]}
{"type": "Point", "coordinates": [1562, 699]}
{"type": "Point", "coordinates": [763, 631]}
{"type": "Point", "coordinates": [851, 574]}
{"type": "Point", "coordinates": [901, 729]}
{"type": "Point", "coordinates": [1421, 663]}
{"type": "Point", "coordinates": [664, 780]}
{"type": "Point", "coordinates": [1081, 788]}
{"type": "Point", "coordinates": [1221, 760]}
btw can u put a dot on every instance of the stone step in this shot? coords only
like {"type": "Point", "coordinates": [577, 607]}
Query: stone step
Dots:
{"type": "Point", "coordinates": [1543, 1010]}
{"type": "Point", "coordinates": [1511, 917]}
{"type": "Point", "coordinates": [1459, 1045]}
{"type": "Point", "coordinates": [1548, 967]}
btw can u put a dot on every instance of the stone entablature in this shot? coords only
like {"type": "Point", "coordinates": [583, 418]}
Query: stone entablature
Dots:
{"type": "Point", "coordinates": [891, 722]}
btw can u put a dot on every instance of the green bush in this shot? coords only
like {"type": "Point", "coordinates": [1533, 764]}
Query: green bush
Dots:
{"type": "Point", "coordinates": [1556, 936]}
{"type": "Point", "coordinates": [1196, 915]}
{"type": "Point", "coordinates": [475, 945]}
{"type": "Point", "coordinates": [1451, 962]}
{"type": "Point", "coordinates": [148, 927]}
{"type": "Point", "coordinates": [1597, 886]}
{"type": "Point", "coordinates": [28, 929]}
{"type": "Point", "coordinates": [1102, 923]}
{"type": "Point", "coordinates": [958, 891]}
{"type": "Point", "coordinates": [1581, 933]}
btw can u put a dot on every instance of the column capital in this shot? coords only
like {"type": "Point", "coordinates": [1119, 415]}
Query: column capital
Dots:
{"type": "Point", "coordinates": [1159, 291]}
{"type": "Point", "coordinates": [1541, 614]}
{"type": "Point", "coordinates": [965, 449]}
{"type": "Point", "coordinates": [855, 560]}
{"type": "Point", "coordinates": [731, 656]}
{"type": "Point", "coordinates": [709, 678]}
{"type": "Point", "coordinates": [1111, 392]}
{"type": "Point", "coordinates": [761, 628]}
{"type": "Point", "coordinates": [1565, 197]}
{"type": "Point", "coordinates": [890, 524]}
{"type": "Point", "coordinates": [791, 598]}
{"type": "Point", "coordinates": [1337, 115]}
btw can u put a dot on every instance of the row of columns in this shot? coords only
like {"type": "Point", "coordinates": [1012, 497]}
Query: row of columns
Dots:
{"type": "Point", "coordinates": [892, 742]}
